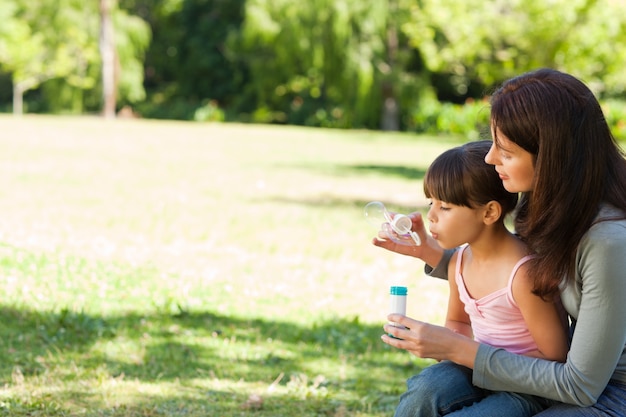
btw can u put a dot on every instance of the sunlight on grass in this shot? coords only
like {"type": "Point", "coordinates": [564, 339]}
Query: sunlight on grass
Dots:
{"type": "Point", "coordinates": [169, 268]}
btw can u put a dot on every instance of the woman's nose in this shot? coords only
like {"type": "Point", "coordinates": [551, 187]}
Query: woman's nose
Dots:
{"type": "Point", "coordinates": [491, 158]}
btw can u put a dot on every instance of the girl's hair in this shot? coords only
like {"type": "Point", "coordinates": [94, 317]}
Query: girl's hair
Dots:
{"type": "Point", "coordinates": [460, 176]}
{"type": "Point", "coordinates": [578, 166]}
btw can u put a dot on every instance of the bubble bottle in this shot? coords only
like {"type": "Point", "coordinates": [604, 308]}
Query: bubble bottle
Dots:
{"type": "Point", "coordinates": [397, 305]}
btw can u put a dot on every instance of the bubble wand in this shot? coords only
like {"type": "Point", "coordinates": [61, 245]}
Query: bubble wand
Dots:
{"type": "Point", "coordinates": [377, 214]}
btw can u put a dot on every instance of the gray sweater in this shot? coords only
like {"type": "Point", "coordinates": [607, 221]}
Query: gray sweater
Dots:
{"type": "Point", "coordinates": [596, 302]}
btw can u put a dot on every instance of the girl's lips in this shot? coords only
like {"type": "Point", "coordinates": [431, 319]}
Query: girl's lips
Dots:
{"type": "Point", "coordinates": [434, 235]}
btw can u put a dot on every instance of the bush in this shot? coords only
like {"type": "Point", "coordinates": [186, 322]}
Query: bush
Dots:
{"type": "Point", "coordinates": [470, 119]}
{"type": "Point", "coordinates": [210, 112]}
{"type": "Point", "coordinates": [615, 113]}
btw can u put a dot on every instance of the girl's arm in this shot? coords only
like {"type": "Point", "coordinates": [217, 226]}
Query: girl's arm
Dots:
{"type": "Point", "coordinates": [457, 319]}
{"type": "Point", "coordinates": [545, 323]}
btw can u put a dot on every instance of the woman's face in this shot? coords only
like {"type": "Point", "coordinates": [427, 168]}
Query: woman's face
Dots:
{"type": "Point", "coordinates": [514, 165]}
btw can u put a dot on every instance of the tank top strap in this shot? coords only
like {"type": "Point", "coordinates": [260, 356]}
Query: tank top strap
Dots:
{"type": "Point", "coordinates": [517, 266]}
{"type": "Point", "coordinates": [459, 261]}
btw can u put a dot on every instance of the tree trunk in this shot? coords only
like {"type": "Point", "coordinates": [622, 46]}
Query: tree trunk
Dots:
{"type": "Point", "coordinates": [18, 99]}
{"type": "Point", "coordinates": [19, 88]}
{"type": "Point", "coordinates": [390, 112]}
{"type": "Point", "coordinates": [107, 52]}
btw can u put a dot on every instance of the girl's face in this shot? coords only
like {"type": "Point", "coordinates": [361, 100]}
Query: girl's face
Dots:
{"type": "Point", "coordinates": [514, 164]}
{"type": "Point", "coordinates": [452, 225]}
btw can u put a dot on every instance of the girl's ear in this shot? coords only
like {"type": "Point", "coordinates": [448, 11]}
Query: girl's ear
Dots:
{"type": "Point", "coordinates": [492, 211]}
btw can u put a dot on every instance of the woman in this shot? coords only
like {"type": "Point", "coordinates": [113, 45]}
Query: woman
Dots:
{"type": "Point", "coordinates": [552, 144]}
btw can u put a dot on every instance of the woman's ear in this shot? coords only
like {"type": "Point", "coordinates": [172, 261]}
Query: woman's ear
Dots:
{"type": "Point", "coordinates": [492, 212]}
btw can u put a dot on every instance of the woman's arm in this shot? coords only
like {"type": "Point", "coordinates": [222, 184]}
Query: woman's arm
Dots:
{"type": "Point", "coordinates": [441, 270]}
{"type": "Point", "coordinates": [543, 319]}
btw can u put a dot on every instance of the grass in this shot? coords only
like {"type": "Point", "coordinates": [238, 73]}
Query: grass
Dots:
{"type": "Point", "coordinates": [153, 268]}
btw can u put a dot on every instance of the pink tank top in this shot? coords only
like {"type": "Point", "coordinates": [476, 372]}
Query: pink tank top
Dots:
{"type": "Point", "coordinates": [496, 319]}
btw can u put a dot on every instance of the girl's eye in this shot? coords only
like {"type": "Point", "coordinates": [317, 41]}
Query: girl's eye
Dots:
{"type": "Point", "coordinates": [445, 208]}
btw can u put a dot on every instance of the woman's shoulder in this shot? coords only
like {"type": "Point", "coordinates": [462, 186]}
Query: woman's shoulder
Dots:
{"type": "Point", "coordinates": [607, 231]}
{"type": "Point", "coordinates": [610, 212]}
{"type": "Point", "coordinates": [610, 222]}
{"type": "Point", "coordinates": [601, 254]}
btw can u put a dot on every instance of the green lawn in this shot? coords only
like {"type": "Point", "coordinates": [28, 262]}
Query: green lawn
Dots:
{"type": "Point", "coordinates": [152, 268]}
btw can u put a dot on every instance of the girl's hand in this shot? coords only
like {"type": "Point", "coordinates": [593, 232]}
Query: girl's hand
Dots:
{"type": "Point", "coordinates": [429, 341]}
{"type": "Point", "coordinates": [429, 251]}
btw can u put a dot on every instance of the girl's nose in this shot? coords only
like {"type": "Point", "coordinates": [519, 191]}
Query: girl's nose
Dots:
{"type": "Point", "coordinates": [430, 215]}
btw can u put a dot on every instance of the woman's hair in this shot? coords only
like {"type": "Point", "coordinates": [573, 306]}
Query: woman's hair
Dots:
{"type": "Point", "coordinates": [578, 166]}
{"type": "Point", "coordinates": [460, 176]}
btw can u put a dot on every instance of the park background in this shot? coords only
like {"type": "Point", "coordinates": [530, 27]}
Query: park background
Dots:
{"type": "Point", "coordinates": [417, 66]}
{"type": "Point", "coordinates": [183, 183]}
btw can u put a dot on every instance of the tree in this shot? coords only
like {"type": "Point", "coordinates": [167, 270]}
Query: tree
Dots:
{"type": "Point", "coordinates": [124, 39]}
{"type": "Point", "coordinates": [16, 47]}
{"type": "Point", "coordinates": [132, 39]}
{"type": "Point", "coordinates": [492, 41]}
{"type": "Point", "coordinates": [52, 45]}
{"type": "Point", "coordinates": [338, 63]}
{"type": "Point", "coordinates": [109, 58]}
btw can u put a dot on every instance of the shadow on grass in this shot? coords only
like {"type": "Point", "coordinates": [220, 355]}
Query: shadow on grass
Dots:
{"type": "Point", "coordinates": [306, 362]}
{"type": "Point", "coordinates": [399, 171]}
{"type": "Point", "coordinates": [334, 203]}
{"type": "Point", "coordinates": [402, 171]}
{"type": "Point", "coordinates": [193, 402]}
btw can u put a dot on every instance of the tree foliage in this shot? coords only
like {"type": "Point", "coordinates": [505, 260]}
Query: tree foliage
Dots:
{"type": "Point", "coordinates": [492, 41]}
{"type": "Point", "coordinates": [339, 63]}
{"type": "Point", "coordinates": [53, 45]}
{"type": "Point", "coordinates": [132, 39]}
{"type": "Point", "coordinates": [322, 63]}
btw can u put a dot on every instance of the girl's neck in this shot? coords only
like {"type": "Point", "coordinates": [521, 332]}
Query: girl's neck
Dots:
{"type": "Point", "coordinates": [494, 244]}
